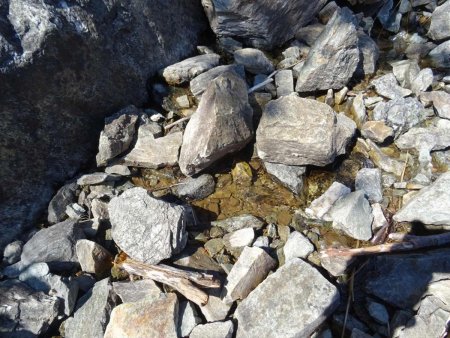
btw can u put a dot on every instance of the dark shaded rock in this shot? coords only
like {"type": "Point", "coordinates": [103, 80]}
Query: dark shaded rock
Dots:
{"type": "Point", "coordinates": [195, 188]}
{"type": "Point", "coordinates": [221, 125]}
{"type": "Point", "coordinates": [439, 56]}
{"type": "Point", "coordinates": [262, 24]}
{"type": "Point", "coordinates": [369, 54]}
{"type": "Point", "coordinates": [253, 60]}
{"type": "Point", "coordinates": [63, 198]}
{"type": "Point", "coordinates": [63, 69]}
{"type": "Point", "coordinates": [12, 252]}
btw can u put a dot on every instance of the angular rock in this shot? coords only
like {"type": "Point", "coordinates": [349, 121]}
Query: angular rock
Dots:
{"type": "Point", "coordinates": [336, 265]}
{"type": "Point", "coordinates": [440, 22]}
{"type": "Point", "coordinates": [327, 12]}
{"type": "Point", "coordinates": [216, 309]}
{"type": "Point", "coordinates": [93, 312]}
{"type": "Point", "coordinates": [297, 246]}
{"type": "Point", "coordinates": [75, 211]}
{"type": "Point", "coordinates": [239, 222]}
{"type": "Point", "coordinates": [430, 206]}
{"type": "Point", "coordinates": [297, 131]}
{"type": "Point", "coordinates": [441, 102]}
{"type": "Point", "coordinates": [183, 101]}
{"type": "Point", "coordinates": [376, 131]}
{"type": "Point", "coordinates": [252, 267]}
{"type": "Point", "coordinates": [148, 318]}
{"type": "Point", "coordinates": [358, 110]}
{"type": "Point", "coordinates": [25, 312]}
{"type": "Point", "coordinates": [439, 57]}
{"type": "Point", "coordinates": [263, 24]}
{"type": "Point", "coordinates": [431, 138]}
{"type": "Point", "coordinates": [310, 33]}
{"type": "Point", "coordinates": [253, 60]}
{"type": "Point", "coordinates": [118, 169]}
{"type": "Point", "coordinates": [12, 252]}
{"type": "Point", "coordinates": [261, 242]}
{"type": "Point", "coordinates": [154, 233]}
{"type": "Point", "coordinates": [284, 81]}
{"type": "Point", "coordinates": [387, 86]}
{"type": "Point", "coordinates": [214, 330]}
{"type": "Point", "coordinates": [369, 181]}
{"type": "Point", "coordinates": [54, 245]}
{"type": "Point", "coordinates": [199, 84]}
{"type": "Point", "coordinates": [341, 95]}
{"type": "Point", "coordinates": [94, 178]}
{"type": "Point", "coordinates": [378, 312]}
{"type": "Point", "coordinates": [379, 220]}
{"type": "Point", "coordinates": [117, 135]}
{"type": "Point", "coordinates": [239, 238]}
{"type": "Point", "coordinates": [423, 81]}
{"type": "Point", "coordinates": [383, 161]}
{"type": "Point", "coordinates": [186, 70]}
{"type": "Point", "coordinates": [135, 291]}
{"type": "Point", "coordinates": [405, 71]}
{"type": "Point", "coordinates": [334, 56]}
{"type": "Point", "coordinates": [269, 309]}
{"type": "Point", "coordinates": [353, 215]}
{"type": "Point", "coordinates": [321, 205]}
{"type": "Point", "coordinates": [154, 153]}
{"type": "Point", "coordinates": [289, 175]}
{"type": "Point", "coordinates": [369, 54]}
{"type": "Point", "coordinates": [195, 188]}
{"type": "Point", "coordinates": [93, 257]}
{"type": "Point", "coordinates": [57, 206]}
{"type": "Point", "coordinates": [221, 125]}
{"type": "Point", "coordinates": [188, 318]}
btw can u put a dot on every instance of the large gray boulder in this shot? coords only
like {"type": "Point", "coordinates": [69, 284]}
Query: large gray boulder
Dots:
{"type": "Point", "coordinates": [440, 22]}
{"type": "Point", "coordinates": [63, 68]}
{"type": "Point", "coordinates": [297, 131]}
{"type": "Point", "coordinates": [261, 24]}
{"type": "Point", "coordinates": [292, 302]}
{"type": "Point", "coordinates": [221, 125]}
{"type": "Point", "coordinates": [147, 229]}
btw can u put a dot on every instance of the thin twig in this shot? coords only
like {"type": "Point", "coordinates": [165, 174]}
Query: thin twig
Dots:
{"type": "Point", "coordinates": [262, 84]}
{"type": "Point", "coordinates": [177, 122]}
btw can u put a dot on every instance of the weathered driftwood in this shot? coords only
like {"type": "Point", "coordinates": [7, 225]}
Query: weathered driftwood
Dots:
{"type": "Point", "coordinates": [408, 243]}
{"type": "Point", "coordinates": [177, 122]}
{"type": "Point", "coordinates": [178, 279]}
{"type": "Point", "coordinates": [262, 84]}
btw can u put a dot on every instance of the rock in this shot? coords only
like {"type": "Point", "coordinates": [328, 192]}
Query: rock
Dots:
{"type": "Point", "coordinates": [75, 211]}
{"type": "Point", "coordinates": [430, 206]}
{"type": "Point", "coordinates": [93, 311]}
{"type": "Point", "coordinates": [405, 71]}
{"type": "Point", "coordinates": [284, 81]}
{"type": "Point", "coordinates": [387, 86]}
{"type": "Point", "coordinates": [154, 153]}
{"type": "Point", "coordinates": [195, 188]}
{"type": "Point", "coordinates": [221, 125]}
{"type": "Point", "coordinates": [441, 102]}
{"type": "Point", "coordinates": [377, 131]}
{"type": "Point", "coordinates": [340, 95]}
{"type": "Point", "coordinates": [431, 138]}
{"type": "Point", "coordinates": [85, 282]}
{"type": "Point", "coordinates": [290, 176]}
{"type": "Point", "coordinates": [292, 52]}
{"type": "Point", "coordinates": [356, 333]}
{"type": "Point", "coordinates": [439, 56]}
{"type": "Point", "coordinates": [93, 257]}
{"type": "Point", "coordinates": [65, 196]}
{"type": "Point", "coordinates": [440, 22]}
{"type": "Point", "coordinates": [297, 246]}
{"type": "Point", "coordinates": [95, 178]}
{"type": "Point", "coordinates": [353, 215]}
{"type": "Point", "coordinates": [334, 56]}
{"type": "Point", "coordinates": [310, 33]}
{"type": "Point", "coordinates": [327, 12]}
{"type": "Point", "coordinates": [188, 319]}
{"type": "Point", "coordinates": [99, 210]}
{"type": "Point", "coordinates": [423, 81]}
{"type": "Point", "coordinates": [12, 252]}
{"type": "Point", "coordinates": [269, 309]}
{"type": "Point", "coordinates": [239, 238]}
{"type": "Point", "coordinates": [135, 291]}
{"type": "Point", "coordinates": [117, 135]}
{"type": "Point", "coordinates": [297, 131]}
{"type": "Point", "coordinates": [263, 24]}
{"type": "Point", "coordinates": [200, 83]}
{"type": "Point", "coordinates": [24, 312]}
{"type": "Point", "coordinates": [118, 169]}
{"type": "Point", "coordinates": [239, 222]}
{"type": "Point", "coordinates": [216, 309]}
{"type": "Point", "coordinates": [287, 63]}
{"type": "Point", "coordinates": [214, 246]}
{"type": "Point", "coordinates": [62, 93]}
{"type": "Point", "coordinates": [400, 114]}
{"type": "Point", "coordinates": [253, 60]}
{"type": "Point", "coordinates": [155, 233]}
{"type": "Point", "coordinates": [54, 245]}
{"type": "Point", "coordinates": [348, 323]}
{"type": "Point", "coordinates": [329, 99]}
{"type": "Point", "coordinates": [369, 181]}
{"type": "Point", "coordinates": [358, 110]}
{"type": "Point", "coordinates": [252, 267]}
{"type": "Point", "coordinates": [379, 220]}
{"type": "Point", "coordinates": [378, 312]}
{"type": "Point", "coordinates": [321, 205]}
{"type": "Point", "coordinates": [183, 101]}
{"type": "Point", "coordinates": [336, 265]}
{"type": "Point", "coordinates": [369, 54]}
{"type": "Point", "coordinates": [261, 242]}
{"type": "Point", "coordinates": [383, 161]}
{"type": "Point", "coordinates": [186, 70]}
{"type": "Point", "coordinates": [149, 318]}
{"type": "Point", "coordinates": [214, 330]}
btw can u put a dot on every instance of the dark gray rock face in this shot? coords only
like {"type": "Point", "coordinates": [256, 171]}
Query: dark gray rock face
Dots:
{"type": "Point", "coordinates": [221, 125]}
{"type": "Point", "coordinates": [261, 24]}
{"type": "Point", "coordinates": [57, 206]}
{"type": "Point", "coordinates": [63, 68]}
{"type": "Point", "coordinates": [440, 22]}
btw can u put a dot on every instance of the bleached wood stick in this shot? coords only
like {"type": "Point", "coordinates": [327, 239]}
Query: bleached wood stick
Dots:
{"type": "Point", "coordinates": [262, 84]}
{"type": "Point", "coordinates": [177, 122]}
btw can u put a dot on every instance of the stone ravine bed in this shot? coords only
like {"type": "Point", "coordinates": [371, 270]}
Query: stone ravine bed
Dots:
{"type": "Point", "coordinates": [249, 175]}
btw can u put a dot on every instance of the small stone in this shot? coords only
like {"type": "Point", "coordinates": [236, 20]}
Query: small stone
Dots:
{"type": "Point", "coordinates": [239, 222]}
{"type": "Point", "coordinates": [405, 71]}
{"type": "Point", "coordinates": [136, 291]}
{"type": "Point", "coordinates": [94, 178]}
{"type": "Point", "coordinates": [353, 215]}
{"type": "Point", "coordinates": [252, 267]}
{"type": "Point", "coordinates": [12, 252]}
{"type": "Point", "coordinates": [387, 86]}
{"type": "Point", "coordinates": [214, 330]}
{"type": "Point", "coordinates": [321, 205]}
{"type": "Point", "coordinates": [216, 309]}
{"type": "Point", "coordinates": [371, 101]}
{"type": "Point", "coordinates": [369, 54]}
{"type": "Point", "coordinates": [214, 246]}
{"type": "Point", "coordinates": [383, 161]}
{"type": "Point", "coordinates": [195, 188]}
{"type": "Point", "coordinates": [329, 99]}
{"type": "Point", "coordinates": [57, 206]}
{"type": "Point", "coordinates": [379, 220]}
{"type": "Point", "coordinates": [439, 57]}
{"type": "Point", "coordinates": [341, 95]}
{"type": "Point", "coordinates": [183, 101]}
{"type": "Point", "coordinates": [423, 81]}
{"type": "Point", "coordinates": [377, 131]}
{"type": "Point", "coordinates": [75, 211]}
{"type": "Point", "coordinates": [188, 318]}
{"type": "Point", "coordinates": [290, 176]}
{"type": "Point", "coordinates": [441, 102]}
{"type": "Point", "coordinates": [284, 82]}
{"type": "Point", "coordinates": [292, 52]}
{"type": "Point", "coordinates": [369, 181]}
{"type": "Point", "coordinates": [297, 246]}
{"type": "Point", "coordinates": [93, 257]}
{"type": "Point", "coordinates": [287, 63]}
{"type": "Point", "coordinates": [242, 174]}
{"type": "Point", "coordinates": [253, 60]}
{"type": "Point", "coordinates": [239, 238]}
{"type": "Point", "coordinates": [261, 242]}
{"type": "Point", "coordinates": [378, 312]}
{"type": "Point", "coordinates": [358, 110]}
{"type": "Point", "coordinates": [118, 169]}
{"type": "Point", "coordinates": [186, 70]}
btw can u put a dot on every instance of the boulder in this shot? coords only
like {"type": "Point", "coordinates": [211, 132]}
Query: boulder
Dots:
{"type": "Point", "coordinates": [253, 60]}
{"type": "Point", "coordinates": [186, 70]}
{"type": "Point", "coordinates": [214, 330]}
{"type": "Point", "coordinates": [55, 96]}
{"type": "Point", "coordinates": [289, 175]}
{"type": "Point", "coordinates": [221, 125]}
{"type": "Point", "coordinates": [262, 24]}
{"type": "Point", "coordinates": [297, 131]}
{"type": "Point", "coordinates": [440, 22]}
{"type": "Point", "coordinates": [268, 310]}
{"type": "Point", "coordinates": [334, 56]}
{"type": "Point", "coordinates": [154, 233]}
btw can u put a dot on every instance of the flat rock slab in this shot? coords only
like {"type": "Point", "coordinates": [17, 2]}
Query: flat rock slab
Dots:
{"type": "Point", "coordinates": [147, 318]}
{"type": "Point", "coordinates": [213, 330]}
{"type": "Point", "coordinates": [253, 60]}
{"type": "Point", "coordinates": [147, 229]}
{"type": "Point", "coordinates": [297, 131]}
{"type": "Point", "coordinates": [239, 222]}
{"type": "Point", "coordinates": [195, 188]}
{"type": "Point", "coordinates": [334, 57]}
{"type": "Point", "coordinates": [431, 205]}
{"type": "Point", "coordinates": [387, 86]}
{"type": "Point", "coordinates": [297, 246]}
{"type": "Point", "coordinates": [369, 181]}
{"type": "Point", "coordinates": [289, 175]}
{"type": "Point", "coordinates": [54, 245]}
{"type": "Point", "coordinates": [186, 70]}
{"type": "Point", "coordinates": [221, 125]}
{"type": "Point", "coordinates": [377, 131]}
{"type": "Point", "coordinates": [136, 291]}
{"type": "Point", "coordinates": [321, 205]}
{"type": "Point", "coordinates": [296, 290]}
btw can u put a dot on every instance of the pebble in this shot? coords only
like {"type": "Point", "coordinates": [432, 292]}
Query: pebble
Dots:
{"type": "Point", "coordinates": [297, 246]}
